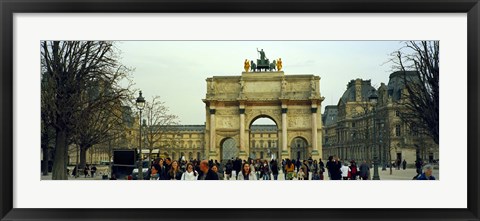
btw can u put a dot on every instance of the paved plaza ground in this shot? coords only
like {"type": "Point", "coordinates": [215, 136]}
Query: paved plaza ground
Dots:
{"type": "Point", "coordinates": [407, 174]}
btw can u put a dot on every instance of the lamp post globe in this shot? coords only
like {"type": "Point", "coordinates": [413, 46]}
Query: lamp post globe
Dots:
{"type": "Point", "coordinates": [373, 98]}
{"type": "Point", "coordinates": [140, 102]}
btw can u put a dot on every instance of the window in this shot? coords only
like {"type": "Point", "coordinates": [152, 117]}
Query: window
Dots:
{"type": "Point", "coordinates": [397, 113]}
{"type": "Point", "coordinates": [353, 124]}
{"type": "Point", "coordinates": [397, 130]}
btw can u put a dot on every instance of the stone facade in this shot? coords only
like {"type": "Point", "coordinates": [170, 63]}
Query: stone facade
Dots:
{"type": "Point", "coordinates": [349, 131]}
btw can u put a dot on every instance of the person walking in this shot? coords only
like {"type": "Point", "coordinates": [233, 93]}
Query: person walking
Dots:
{"type": "Point", "coordinates": [289, 169]}
{"type": "Point", "coordinates": [246, 173]}
{"type": "Point", "coordinates": [153, 172]}
{"type": "Point", "coordinates": [274, 168]}
{"type": "Point", "coordinates": [175, 173]}
{"type": "Point", "coordinates": [301, 175]}
{"type": "Point", "coordinates": [168, 164]}
{"type": "Point", "coordinates": [265, 170]}
{"type": "Point", "coordinates": [86, 170]}
{"type": "Point", "coordinates": [345, 171]}
{"type": "Point", "coordinates": [321, 168]}
{"type": "Point", "coordinates": [228, 169]}
{"type": "Point", "coordinates": [298, 164]}
{"type": "Point", "coordinates": [161, 170]}
{"type": "Point", "coordinates": [427, 173]}
{"type": "Point", "coordinates": [206, 172]}
{"type": "Point", "coordinates": [418, 166]}
{"type": "Point", "coordinates": [74, 172]}
{"type": "Point", "coordinates": [190, 173]}
{"type": "Point", "coordinates": [93, 171]}
{"type": "Point", "coordinates": [215, 169]}
{"type": "Point", "coordinates": [364, 170]}
{"type": "Point", "coordinates": [335, 169]}
{"type": "Point", "coordinates": [353, 171]}
{"type": "Point", "coordinates": [256, 168]}
{"type": "Point", "coordinates": [237, 166]}
{"type": "Point", "coordinates": [306, 169]}
{"type": "Point", "coordinates": [404, 164]}
{"type": "Point", "coordinates": [329, 166]}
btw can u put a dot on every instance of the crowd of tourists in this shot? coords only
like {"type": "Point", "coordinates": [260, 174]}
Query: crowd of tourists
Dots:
{"type": "Point", "coordinates": [257, 169]}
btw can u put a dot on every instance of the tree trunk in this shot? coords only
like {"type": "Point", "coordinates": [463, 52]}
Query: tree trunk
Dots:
{"type": "Point", "coordinates": [110, 157]}
{"type": "Point", "coordinates": [149, 156]}
{"type": "Point", "coordinates": [59, 171]}
{"type": "Point", "coordinates": [45, 160]}
{"type": "Point", "coordinates": [83, 157]}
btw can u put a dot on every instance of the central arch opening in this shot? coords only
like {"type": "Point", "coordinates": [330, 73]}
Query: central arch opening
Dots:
{"type": "Point", "coordinates": [263, 138]}
{"type": "Point", "coordinates": [229, 149]}
{"type": "Point", "coordinates": [299, 147]}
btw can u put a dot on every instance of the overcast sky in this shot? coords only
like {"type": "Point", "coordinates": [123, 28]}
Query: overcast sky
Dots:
{"type": "Point", "coordinates": [176, 70]}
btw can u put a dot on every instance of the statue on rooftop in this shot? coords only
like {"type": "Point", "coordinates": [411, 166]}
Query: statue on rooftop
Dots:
{"type": "Point", "coordinates": [246, 65]}
{"type": "Point", "coordinates": [279, 64]}
{"type": "Point", "coordinates": [253, 66]}
{"type": "Point", "coordinates": [262, 54]}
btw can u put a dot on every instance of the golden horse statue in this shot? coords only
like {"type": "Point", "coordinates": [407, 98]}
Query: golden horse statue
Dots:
{"type": "Point", "coordinates": [279, 64]}
{"type": "Point", "coordinates": [246, 65]}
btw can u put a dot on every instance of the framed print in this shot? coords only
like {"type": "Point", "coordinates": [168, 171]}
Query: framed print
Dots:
{"type": "Point", "coordinates": [239, 110]}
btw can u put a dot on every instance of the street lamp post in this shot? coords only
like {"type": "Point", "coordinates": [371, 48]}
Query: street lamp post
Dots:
{"type": "Point", "coordinates": [373, 99]}
{"type": "Point", "coordinates": [382, 146]}
{"type": "Point", "coordinates": [140, 105]}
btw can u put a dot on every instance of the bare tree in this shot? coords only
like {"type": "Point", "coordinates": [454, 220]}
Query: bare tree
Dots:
{"type": "Point", "coordinates": [101, 113]}
{"type": "Point", "coordinates": [422, 89]}
{"type": "Point", "coordinates": [158, 123]}
{"type": "Point", "coordinates": [68, 69]}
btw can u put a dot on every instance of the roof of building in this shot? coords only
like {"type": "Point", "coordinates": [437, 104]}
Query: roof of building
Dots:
{"type": "Point", "coordinates": [199, 127]}
{"type": "Point", "coordinates": [330, 115]}
{"type": "Point", "coordinates": [396, 83]}
{"type": "Point", "coordinates": [349, 94]}
{"type": "Point", "coordinates": [260, 128]}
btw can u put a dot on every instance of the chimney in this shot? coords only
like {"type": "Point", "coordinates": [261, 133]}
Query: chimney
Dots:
{"type": "Point", "coordinates": [358, 89]}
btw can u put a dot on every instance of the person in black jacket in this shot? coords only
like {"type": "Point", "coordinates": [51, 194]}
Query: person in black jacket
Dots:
{"type": "Point", "coordinates": [329, 166]}
{"type": "Point", "coordinates": [175, 173]}
{"type": "Point", "coordinates": [274, 168]}
{"type": "Point", "coordinates": [228, 169]}
{"type": "Point", "coordinates": [168, 164]}
{"type": "Point", "coordinates": [237, 166]}
{"type": "Point", "coordinates": [334, 169]}
{"type": "Point", "coordinates": [206, 173]}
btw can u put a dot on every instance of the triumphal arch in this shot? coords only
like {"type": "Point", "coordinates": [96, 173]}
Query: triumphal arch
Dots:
{"type": "Point", "coordinates": [232, 103]}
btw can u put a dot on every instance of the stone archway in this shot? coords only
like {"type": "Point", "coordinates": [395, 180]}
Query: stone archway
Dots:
{"type": "Point", "coordinates": [263, 138]}
{"type": "Point", "coordinates": [298, 148]}
{"type": "Point", "coordinates": [293, 102]}
{"type": "Point", "coordinates": [229, 149]}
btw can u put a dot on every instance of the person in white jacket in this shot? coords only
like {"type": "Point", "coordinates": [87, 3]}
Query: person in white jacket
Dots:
{"type": "Point", "coordinates": [190, 173]}
{"type": "Point", "coordinates": [246, 173]}
{"type": "Point", "coordinates": [345, 170]}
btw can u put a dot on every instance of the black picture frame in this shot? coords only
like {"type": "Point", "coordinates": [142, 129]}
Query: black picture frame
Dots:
{"type": "Point", "coordinates": [9, 7]}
